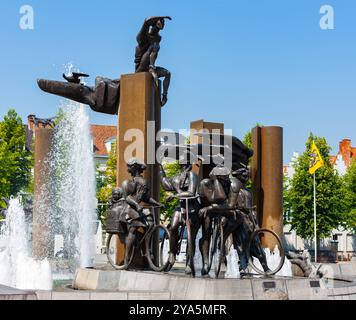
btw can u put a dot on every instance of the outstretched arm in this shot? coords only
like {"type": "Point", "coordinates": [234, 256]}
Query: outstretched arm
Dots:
{"type": "Point", "coordinates": [141, 37]}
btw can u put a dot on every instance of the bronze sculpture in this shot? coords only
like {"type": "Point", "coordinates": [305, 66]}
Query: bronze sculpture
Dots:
{"type": "Point", "coordinates": [219, 196]}
{"type": "Point", "coordinates": [184, 185]}
{"type": "Point", "coordinates": [136, 191]}
{"type": "Point", "coordinates": [104, 97]}
{"type": "Point", "coordinates": [242, 232]}
{"type": "Point", "coordinates": [148, 40]}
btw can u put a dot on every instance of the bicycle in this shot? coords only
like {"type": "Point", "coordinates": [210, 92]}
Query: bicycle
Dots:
{"type": "Point", "coordinates": [217, 243]}
{"type": "Point", "coordinates": [256, 247]}
{"type": "Point", "coordinates": [186, 226]}
{"type": "Point", "coordinates": [153, 231]}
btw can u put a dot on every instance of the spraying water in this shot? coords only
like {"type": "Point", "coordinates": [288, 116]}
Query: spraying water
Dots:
{"type": "Point", "coordinates": [17, 268]}
{"type": "Point", "coordinates": [67, 203]}
{"type": "Point", "coordinates": [73, 165]}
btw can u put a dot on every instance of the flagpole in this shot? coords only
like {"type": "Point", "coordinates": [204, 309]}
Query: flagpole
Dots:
{"type": "Point", "coordinates": [315, 237]}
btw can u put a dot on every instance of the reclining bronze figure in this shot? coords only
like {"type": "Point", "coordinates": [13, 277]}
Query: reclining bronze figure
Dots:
{"type": "Point", "coordinates": [104, 97]}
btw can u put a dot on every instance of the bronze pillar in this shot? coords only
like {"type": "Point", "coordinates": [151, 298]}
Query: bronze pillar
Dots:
{"type": "Point", "coordinates": [139, 103]}
{"type": "Point", "coordinates": [42, 239]}
{"type": "Point", "coordinates": [203, 126]}
{"type": "Point", "coordinates": [267, 177]}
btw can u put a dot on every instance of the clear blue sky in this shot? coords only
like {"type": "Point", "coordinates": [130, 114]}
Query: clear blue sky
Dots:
{"type": "Point", "coordinates": [234, 61]}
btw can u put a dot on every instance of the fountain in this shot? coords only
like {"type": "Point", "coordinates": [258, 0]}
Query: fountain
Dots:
{"type": "Point", "coordinates": [66, 210]}
{"type": "Point", "coordinates": [17, 267]}
{"type": "Point", "coordinates": [74, 183]}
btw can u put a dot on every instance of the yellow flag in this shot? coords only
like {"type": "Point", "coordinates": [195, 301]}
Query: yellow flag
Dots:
{"type": "Point", "coordinates": [316, 161]}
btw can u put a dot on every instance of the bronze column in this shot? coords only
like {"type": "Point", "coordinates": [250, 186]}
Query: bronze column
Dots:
{"type": "Point", "coordinates": [267, 175]}
{"type": "Point", "coordinates": [42, 239]}
{"type": "Point", "coordinates": [139, 104]}
{"type": "Point", "coordinates": [203, 127]}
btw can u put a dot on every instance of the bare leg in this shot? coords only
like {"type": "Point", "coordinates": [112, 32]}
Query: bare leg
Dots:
{"type": "Point", "coordinates": [173, 243]}
{"type": "Point", "coordinates": [204, 243]}
{"type": "Point", "coordinates": [241, 237]}
{"type": "Point", "coordinates": [194, 231]}
{"type": "Point", "coordinates": [129, 243]}
{"type": "Point", "coordinates": [162, 72]}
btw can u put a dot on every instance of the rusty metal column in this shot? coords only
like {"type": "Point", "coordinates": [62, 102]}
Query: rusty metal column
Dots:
{"type": "Point", "coordinates": [256, 172]}
{"type": "Point", "coordinates": [272, 181]}
{"type": "Point", "coordinates": [139, 103]}
{"type": "Point", "coordinates": [42, 239]}
{"type": "Point", "coordinates": [201, 126]}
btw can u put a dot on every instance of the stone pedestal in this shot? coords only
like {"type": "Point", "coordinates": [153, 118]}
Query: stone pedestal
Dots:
{"type": "Point", "coordinates": [139, 122]}
{"type": "Point", "coordinates": [267, 176]}
{"type": "Point", "coordinates": [42, 240]}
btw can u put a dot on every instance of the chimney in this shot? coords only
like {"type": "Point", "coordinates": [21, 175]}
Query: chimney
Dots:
{"type": "Point", "coordinates": [31, 122]}
{"type": "Point", "coordinates": [345, 150]}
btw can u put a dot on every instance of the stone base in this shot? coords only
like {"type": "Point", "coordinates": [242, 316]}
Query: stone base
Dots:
{"type": "Point", "coordinates": [176, 287]}
{"type": "Point", "coordinates": [7, 293]}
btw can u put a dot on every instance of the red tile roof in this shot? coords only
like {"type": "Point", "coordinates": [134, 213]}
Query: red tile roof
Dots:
{"type": "Point", "coordinates": [333, 159]}
{"type": "Point", "coordinates": [100, 135]}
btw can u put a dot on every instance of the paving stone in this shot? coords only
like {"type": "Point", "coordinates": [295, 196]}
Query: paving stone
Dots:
{"type": "Point", "coordinates": [178, 287]}
{"type": "Point", "coordinates": [142, 295]}
{"type": "Point", "coordinates": [196, 289]}
{"type": "Point", "coordinates": [108, 280]}
{"type": "Point", "coordinates": [7, 293]}
{"type": "Point", "coordinates": [127, 280]}
{"type": "Point", "coordinates": [228, 289]}
{"type": "Point", "coordinates": [44, 295]}
{"type": "Point", "coordinates": [75, 295]}
{"type": "Point", "coordinates": [151, 281]}
{"type": "Point", "coordinates": [348, 269]}
{"type": "Point", "coordinates": [108, 296]}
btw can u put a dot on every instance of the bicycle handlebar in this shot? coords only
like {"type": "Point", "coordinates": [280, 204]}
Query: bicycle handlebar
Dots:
{"type": "Point", "coordinates": [185, 198]}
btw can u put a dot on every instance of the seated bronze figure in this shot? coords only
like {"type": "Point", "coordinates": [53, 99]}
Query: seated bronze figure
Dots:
{"type": "Point", "coordinates": [104, 97]}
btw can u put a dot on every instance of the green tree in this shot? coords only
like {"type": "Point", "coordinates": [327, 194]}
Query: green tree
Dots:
{"type": "Point", "coordinates": [15, 161]}
{"type": "Point", "coordinates": [107, 182]}
{"type": "Point", "coordinates": [171, 169]}
{"type": "Point", "coordinates": [247, 139]}
{"type": "Point", "coordinates": [330, 202]}
{"type": "Point", "coordinates": [350, 195]}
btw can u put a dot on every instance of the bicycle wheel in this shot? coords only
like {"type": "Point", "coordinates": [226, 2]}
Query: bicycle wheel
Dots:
{"type": "Point", "coordinates": [111, 252]}
{"type": "Point", "coordinates": [213, 246]}
{"type": "Point", "coordinates": [260, 257]}
{"type": "Point", "coordinates": [219, 256]}
{"type": "Point", "coordinates": [190, 250]}
{"type": "Point", "coordinates": [160, 262]}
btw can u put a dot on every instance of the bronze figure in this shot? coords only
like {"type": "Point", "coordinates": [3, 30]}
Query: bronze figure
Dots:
{"type": "Point", "coordinates": [136, 191]}
{"type": "Point", "coordinates": [104, 97]}
{"type": "Point", "coordinates": [148, 40]}
{"type": "Point", "coordinates": [242, 232]}
{"type": "Point", "coordinates": [184, 185]}
{"type": "Point", "coordinates": [219, 196]}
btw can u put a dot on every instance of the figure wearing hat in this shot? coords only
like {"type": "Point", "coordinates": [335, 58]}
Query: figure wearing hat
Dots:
{"type": "Point", "coordinates": [184, 185]}
{"type": "Point", "coordinates": [136, 190]}
{"type": "Point", "coordinates": [219, 195]}
{"type": "Point", "coordinates": [243, 231]}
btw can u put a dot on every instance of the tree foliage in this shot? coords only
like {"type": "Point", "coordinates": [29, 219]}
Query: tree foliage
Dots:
{"type": "Point", "coordinates": [299, 203]}
{"type": "Point", "coordinates": [107, 182]}
{"type": "Point", "coordinates": [350, 195]}
{"type": "Point", "coordinates": [171, 169]}
{"type": "Point", "coordinates": [15, 161]}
